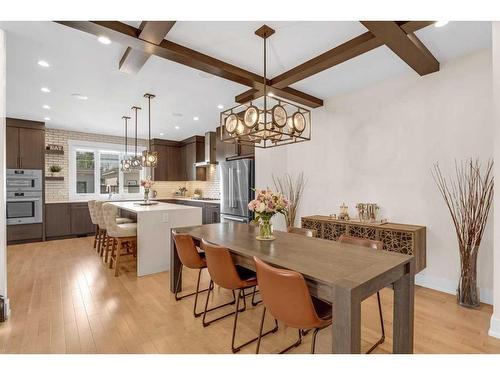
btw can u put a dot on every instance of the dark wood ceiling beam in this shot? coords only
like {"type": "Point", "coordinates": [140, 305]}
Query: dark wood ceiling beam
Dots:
{"type": "Point", "coordinates": [406, 45]}
{"type": "Point", "coordinates": [151, 31]}
{"type": "Point", "coordinates": [286, 93]}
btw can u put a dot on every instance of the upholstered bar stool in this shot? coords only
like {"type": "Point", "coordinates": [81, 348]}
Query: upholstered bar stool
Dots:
{"type": "Point", "coordinates": [303, 231]}
{"type": "Point", "coordinates": [286, 296]}
{"type": "Point", "coordinates": [190, 258]}
{"type": "Point", "coordinates": [227, 275]}
{"type": "Point", "coordinates": [375, 245]}
{"type": "Point", "coordinates": [93, 218]}
{"type": "Point", "coordinates": [102, 235]}
{"type": "Point", "coordinates": [122, 237]}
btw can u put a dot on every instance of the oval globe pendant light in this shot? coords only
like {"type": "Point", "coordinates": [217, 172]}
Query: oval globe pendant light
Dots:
{"type": "Point", "coordinates": [149, 158]}
{"type": "Point", "coordinates": [135, 161]}
{"type": "Point", "coordinates": [126, 165]}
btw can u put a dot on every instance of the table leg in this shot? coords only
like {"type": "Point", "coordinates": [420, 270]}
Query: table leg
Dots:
{"type": "Point", "coordinates": [175, 266]}
{"type": "Point", "coordinates": [403, 312]}
{"type": "Point", "coordinates": [346, 327]}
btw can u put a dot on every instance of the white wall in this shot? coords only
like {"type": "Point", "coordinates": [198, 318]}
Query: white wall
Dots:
{"type": "Point", "coordinates": [3, 252]}
{"type": "Point", "coordinates": [378, 145]}
{"type": "Point", "coordinates": [495, 319]}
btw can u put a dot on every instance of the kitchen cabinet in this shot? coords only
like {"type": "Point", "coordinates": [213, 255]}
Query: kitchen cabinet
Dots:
{"type": "Point", "coordinates": [171, 164]}
{"type": "Point", "coordinates": [57, 219]}
{"type": "Point", "coordinates": [194, 152]}
{"type": "Point", "coordinates": [67, 219]}
{"type": "Point", "coordinates": [25, 143]}
{"type": "Point", "coordinates": [81, 224]}
{"type": "Point", "coordinates": [24, 233]}
{"type": "Point", "coordinates": [231, 151]}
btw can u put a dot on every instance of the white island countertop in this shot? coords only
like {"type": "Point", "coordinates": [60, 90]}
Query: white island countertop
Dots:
{"type": "Point", "coordinates": [136, 207]}
{"type": "Point", "coordinates": [154, 225]}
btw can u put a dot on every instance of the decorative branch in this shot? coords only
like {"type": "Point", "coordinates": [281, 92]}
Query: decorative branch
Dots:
{"type": "Point", "coordinates": [468, 197]}
{"type": "Point", "coordinates": [293, 190]}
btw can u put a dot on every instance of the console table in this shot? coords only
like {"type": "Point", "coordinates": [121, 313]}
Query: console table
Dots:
{"type": "Point", "coordinates": [400, 238]}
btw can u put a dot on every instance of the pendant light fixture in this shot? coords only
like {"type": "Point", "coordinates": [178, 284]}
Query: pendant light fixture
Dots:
{"type": "Point", "coordinates": [126, 161]}
{"type": "Point", "coordinates": [149, 158]}
{"type": "Point", "coordinates": [135, 161]}
{"type": "Point", "coordinates": [268, 121]}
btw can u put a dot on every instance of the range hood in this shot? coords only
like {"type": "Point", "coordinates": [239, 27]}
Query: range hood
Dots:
{"type": "Point", "coordinates": [210, 156]}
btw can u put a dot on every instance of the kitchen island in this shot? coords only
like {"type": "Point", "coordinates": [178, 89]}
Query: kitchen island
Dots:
{"type": "Point", "coordinates": [153, 231]}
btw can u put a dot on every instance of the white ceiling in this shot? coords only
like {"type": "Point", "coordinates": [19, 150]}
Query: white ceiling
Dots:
{"type": "Point", "coordinates": [80, 64]}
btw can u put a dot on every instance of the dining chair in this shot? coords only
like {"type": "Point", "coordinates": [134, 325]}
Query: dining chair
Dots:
{"type": "Point", "coordinates": [375, 245]}
{"type": "Point", "coordinates": [121, 237]}
{"type": "Point", "coordinates": [303, 231]}
{"type": "Point", "coordinates": [286, 296]}
{"type": "Point", "coordinates": [190, 258]}
{"type": "Point", "coordinates": [227, 275]}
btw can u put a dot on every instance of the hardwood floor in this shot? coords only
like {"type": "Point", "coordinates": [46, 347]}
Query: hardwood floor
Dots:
{"type": "Point", "coordinates": [64, 300]}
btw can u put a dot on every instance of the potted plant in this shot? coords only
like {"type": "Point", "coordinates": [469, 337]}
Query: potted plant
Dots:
{"type": "Point", "coordinates": [468, 197]}
{"type": "Point", "coordinates": [146, 184]}
{"type": "Point", "coordinates": [55, 169]}
{"type": "Point", "coordinates": [265, 205]}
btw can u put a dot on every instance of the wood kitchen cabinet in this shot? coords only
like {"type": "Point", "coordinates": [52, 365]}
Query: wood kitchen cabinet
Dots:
{"type": "Point", "coordinates": [194, 152]}
{"type": "Point", "coordinates": [171, 164]}
{"type": "Point", "coordinates": [25, 143]}
{"type": "Point", "coordinates": [67, 219]}
{"type": "Point", "coordinates": [231, 151]}
{"type": "Point", "coordinates": [57, 219]}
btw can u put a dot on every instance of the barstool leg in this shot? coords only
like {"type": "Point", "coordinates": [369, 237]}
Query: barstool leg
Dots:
{"type": "Point", "coordinates": [99, 241]}
{"type": "Point", "coordinates": [105, 240]}
{"type": "Point", "coordinates": [96, 235]}
{"type": "Point", "coordinates": [382, 338]}
{"type": "Point", "coordinates": [112, 259]}
{"type": "Point", "coordinates": [118, 252]}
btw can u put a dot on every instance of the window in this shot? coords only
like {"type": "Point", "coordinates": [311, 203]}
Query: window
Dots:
{"type": "Point", "coordinates": [94, 171]}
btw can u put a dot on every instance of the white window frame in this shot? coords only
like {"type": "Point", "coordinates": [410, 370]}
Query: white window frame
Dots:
{"type": "Point", "coordinates": [97, 148]}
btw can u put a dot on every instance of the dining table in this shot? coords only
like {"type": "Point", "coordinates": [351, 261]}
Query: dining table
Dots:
{"type": "Point", "coordinates": [339, 273]}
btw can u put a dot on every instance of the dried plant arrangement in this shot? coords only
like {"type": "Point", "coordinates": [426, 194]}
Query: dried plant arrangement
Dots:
{"type": "Point", "coordinates": [292, 189]}
{"type": "Point", "coordinates": [468, 196]}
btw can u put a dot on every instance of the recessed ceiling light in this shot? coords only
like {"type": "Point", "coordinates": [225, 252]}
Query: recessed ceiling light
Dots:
{"type": "Point", "coordinates": [80, 96]}
{"type": "Point", "coordinates": [441, 23]}
{"type": "Point", "coordinates": [46, 118]}
{"type": "Point", "coordinates": [45, 89]}
{"type": "Point", "coordinates": [196, 118]}
{"type": "Point", "coordinates": [177, 114]}
{"type": "Point", "coordinates": [104, 40]}
{"type": "Point", "coordinates": [220, 106]}
{"type": "Point", "coordinates": [43, 63]}
{"type": "Point", "coordinates": [162, 134]}
{"type": "Point", "coordinates": [177, 127]}
{"type": "Point", "coordinates": [45, 106]}
{"type": "Point", "coordinates": [270, 94]}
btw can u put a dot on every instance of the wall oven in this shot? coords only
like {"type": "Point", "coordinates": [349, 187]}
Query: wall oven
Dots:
{"type": "Point", "coordinates": [24, 180]}
{"type": "Point", "coordinates": [24, 196]}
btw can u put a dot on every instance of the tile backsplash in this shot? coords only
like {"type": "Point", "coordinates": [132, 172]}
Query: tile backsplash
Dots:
{"type": "Point", "coordinates": [58, 191]}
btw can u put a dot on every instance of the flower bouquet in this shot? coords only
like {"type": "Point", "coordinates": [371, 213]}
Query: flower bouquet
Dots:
{"type": "Point", "coordinates": [146, 184]}
{"type": "Point", "coordinates": [265, 205]}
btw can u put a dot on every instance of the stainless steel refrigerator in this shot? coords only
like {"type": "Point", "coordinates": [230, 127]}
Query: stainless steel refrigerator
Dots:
{"type": "Point", "coordinates": [237, 180]}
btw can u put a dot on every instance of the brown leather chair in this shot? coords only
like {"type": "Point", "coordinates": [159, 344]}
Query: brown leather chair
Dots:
{"type": "Point", "coordinates": [190, 258]}
{"type": "Point", "coordinates": [286, 296]}
{"type": "Point", "coordinates": [303, 231]}
{"type": "Point", "coordinates": [227, 275]}
{"type": "Point", "coordinates": [375, 245]}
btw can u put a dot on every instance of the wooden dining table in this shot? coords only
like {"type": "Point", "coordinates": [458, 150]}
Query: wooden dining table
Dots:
{"type": "Point", "coordinates": [342, 274]}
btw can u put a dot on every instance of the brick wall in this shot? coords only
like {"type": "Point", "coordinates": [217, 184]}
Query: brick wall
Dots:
{"type": "Point", "coordinates": [58, 191]}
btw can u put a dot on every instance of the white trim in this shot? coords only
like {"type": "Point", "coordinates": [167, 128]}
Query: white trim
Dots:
{"type": "Point", "coordinates": [450, 287]}
{"type": "Point", "coordinates": [97, 148]}
{"type": "Point", "coordinates": [494, 330]}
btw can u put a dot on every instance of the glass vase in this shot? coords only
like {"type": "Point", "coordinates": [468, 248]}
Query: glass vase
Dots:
{"type": "Point", "coordinates": [467, 291]}
{"type": "Point", "coordinates": [146, 195]}
{"type": "Point", "coordinates": [265, 229]}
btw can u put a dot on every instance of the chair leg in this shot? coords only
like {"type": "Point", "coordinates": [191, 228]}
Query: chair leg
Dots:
{"type": "Point", "coordinates": [105, 239]}
{"type": "Point", "coordinates": [118, 252]}
{"type": "Point", "coordinates": [260, 330]}
{"type": "Point", "coordinates": [96, 235]}
{"type": "Point", "coordinates": [109, 244]}
{"type": "Point", "coordinates": [195, 293]}
{"type": "Point", "coordinates": [241, 294]}
{"type": "Point", "coordinates": [204, 321]}
{"type": "Point", "coordinates": [382, 338]}
{"type": "Point", "coordinates": [99, 241]}
{"type": "Point", "coordinates": [254, 302]}
{"type": "Point", "coordinates": [294, 345]}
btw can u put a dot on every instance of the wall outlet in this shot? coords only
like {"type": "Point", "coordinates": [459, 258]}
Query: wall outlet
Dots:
{"type": "Point", "coordinates": [164, 218]}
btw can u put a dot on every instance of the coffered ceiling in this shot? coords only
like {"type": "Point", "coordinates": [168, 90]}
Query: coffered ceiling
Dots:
{"type": "Point", "coordinates": [79, 64]}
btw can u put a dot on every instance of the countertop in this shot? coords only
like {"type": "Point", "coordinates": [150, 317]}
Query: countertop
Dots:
{"type": "Point", "coordinates": [137, 199]}
{"type": "Point", "coordinates": [136, 207]}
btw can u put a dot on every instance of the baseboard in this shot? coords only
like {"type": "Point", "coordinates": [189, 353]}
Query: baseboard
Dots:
{"type": "Point", "coordinates": [494, 330]}
{"type": "Point", "coordinates": [450, 287]}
